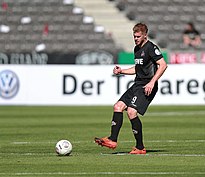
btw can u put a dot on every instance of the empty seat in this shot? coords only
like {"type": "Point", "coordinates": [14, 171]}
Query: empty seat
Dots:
{"type": "Point", "coordinates": [167, 17]}
{"type": "Point", "coordinates": [57, 24]}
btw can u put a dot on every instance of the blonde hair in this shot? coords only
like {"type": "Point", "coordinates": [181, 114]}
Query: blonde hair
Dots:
{"type": "Point", "coordinates": [140, 27]}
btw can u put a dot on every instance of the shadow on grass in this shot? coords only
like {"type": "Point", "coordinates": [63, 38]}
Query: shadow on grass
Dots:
{"type": "Point", "coordinates": [126, 153]}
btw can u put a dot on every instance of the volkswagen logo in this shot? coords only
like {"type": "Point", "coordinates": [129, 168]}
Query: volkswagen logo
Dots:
{"type": "Point", "coordinates": [9, 84]}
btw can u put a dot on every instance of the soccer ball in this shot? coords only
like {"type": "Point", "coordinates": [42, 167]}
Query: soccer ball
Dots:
{"type": "Point", "coordinates": [63, 147]}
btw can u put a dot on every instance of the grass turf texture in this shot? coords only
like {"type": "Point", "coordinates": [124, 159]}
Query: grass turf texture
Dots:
{"type": "Point", "coordinates": [174, 137]}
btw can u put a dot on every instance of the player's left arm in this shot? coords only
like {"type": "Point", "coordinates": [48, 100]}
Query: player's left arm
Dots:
{"type": "Point", "coordinates": [162, 66]}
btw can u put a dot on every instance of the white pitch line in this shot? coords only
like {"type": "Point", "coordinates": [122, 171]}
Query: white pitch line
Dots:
{"type": "Point", "coordinates": [187, 113]}
{"type": "Point", "coordinates": [167, 141]}
{"type": "Point", "coordinates": [170, 155]}
{"type": "Point", "coordinates": [78, 142]}
{"type": "Point", "coordinates": [105, 173]}
{"type": "Point", "coordinates": [30, 154]}
{"type": "Point", "coordinates": [180, 155]}
{"type": "Point", "coordinates": [110, 154]}
{"type": "Point", "coordinates": [176, 141]}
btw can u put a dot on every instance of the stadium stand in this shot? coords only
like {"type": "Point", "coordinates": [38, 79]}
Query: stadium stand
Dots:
{"type": "Point", "coordinates": [166, 18]}
{"type": "Point", "coordinates": [116, 23]}
{"type": "Point", "coordinates": [63, 30]}
{"type": "Point", "coordinates": [51, 26]}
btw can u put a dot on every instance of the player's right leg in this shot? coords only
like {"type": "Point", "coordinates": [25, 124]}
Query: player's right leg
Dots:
{"type": "Point", "coordinates": [106, 142]}
{"type": "Point", "coordinates": [117, 120]}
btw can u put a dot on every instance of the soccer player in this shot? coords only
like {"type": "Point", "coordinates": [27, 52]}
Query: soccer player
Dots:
{"type": "Point", "coordinates": [149, 67]}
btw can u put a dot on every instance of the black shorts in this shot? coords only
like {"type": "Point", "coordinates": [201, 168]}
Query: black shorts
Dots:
{"type": "Point", "coordinates": [135, 97]}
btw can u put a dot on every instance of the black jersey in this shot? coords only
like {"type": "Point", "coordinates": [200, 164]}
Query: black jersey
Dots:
{"type": "Point", "coordinates": [145, 60]}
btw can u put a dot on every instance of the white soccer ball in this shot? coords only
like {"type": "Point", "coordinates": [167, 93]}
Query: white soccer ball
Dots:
{"type": "Point", "coordinates": [64, 147]}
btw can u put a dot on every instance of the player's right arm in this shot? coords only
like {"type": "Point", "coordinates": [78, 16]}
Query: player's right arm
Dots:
{"type": "Point", "coordinates": [128, 71]}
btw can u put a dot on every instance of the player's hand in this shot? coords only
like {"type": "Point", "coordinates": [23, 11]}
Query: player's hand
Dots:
{"type": "Point", "coordinates": [148, 88]}
{"type": "Point", "coordinates": [117, 70]}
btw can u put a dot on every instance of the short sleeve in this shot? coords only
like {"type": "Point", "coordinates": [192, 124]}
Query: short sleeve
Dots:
{"type": "Point", "coordinates": [155, 52]}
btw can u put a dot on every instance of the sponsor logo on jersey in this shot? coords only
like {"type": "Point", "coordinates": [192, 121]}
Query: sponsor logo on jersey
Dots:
{"type": "Point", "coordinates": [9, 84]}
{"type": "Point", "coordinates": [139, 61]}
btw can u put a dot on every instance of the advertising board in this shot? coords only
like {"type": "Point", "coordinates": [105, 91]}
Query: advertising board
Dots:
{"type": "Point", "coordinates": [94, 85]}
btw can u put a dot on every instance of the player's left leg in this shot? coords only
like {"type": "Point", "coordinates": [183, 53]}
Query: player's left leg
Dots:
{"type": "Point", "coordinates": [137, 131]}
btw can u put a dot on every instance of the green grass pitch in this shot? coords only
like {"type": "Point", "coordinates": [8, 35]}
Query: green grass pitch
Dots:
{"type": "Point", "coordinates": [174, 137]}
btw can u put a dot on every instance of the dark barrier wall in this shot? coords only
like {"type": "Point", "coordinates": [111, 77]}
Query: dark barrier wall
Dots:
{"type": "Point", "coordinates": [96, 57]}
{"type": "Point", "coordinates": [85, 57]}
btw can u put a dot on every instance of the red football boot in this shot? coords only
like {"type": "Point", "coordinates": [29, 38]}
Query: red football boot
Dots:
{"type": "Point", "coordinates": [106, 142]}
